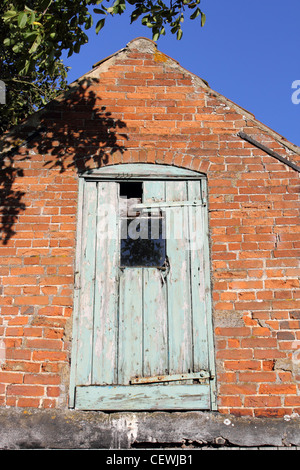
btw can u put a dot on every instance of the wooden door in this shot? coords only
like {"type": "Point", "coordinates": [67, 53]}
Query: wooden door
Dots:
{"type": "Point", "coordinates": [143, 334]}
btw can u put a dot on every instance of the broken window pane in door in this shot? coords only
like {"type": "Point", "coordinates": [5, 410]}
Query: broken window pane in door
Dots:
{"type": "Point", "coordinates": [143, 240]}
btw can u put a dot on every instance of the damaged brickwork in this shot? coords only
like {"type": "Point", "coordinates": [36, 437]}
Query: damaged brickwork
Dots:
{"type": "Point", "coordinates": [141, 106]}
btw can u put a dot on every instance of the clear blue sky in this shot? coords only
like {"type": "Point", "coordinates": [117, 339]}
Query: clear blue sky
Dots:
{"type": "Point", "coordinates": [248, 51]}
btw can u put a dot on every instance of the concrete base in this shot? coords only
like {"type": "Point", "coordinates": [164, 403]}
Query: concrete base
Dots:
{"type": "Point", "coordinates": [71, 429]}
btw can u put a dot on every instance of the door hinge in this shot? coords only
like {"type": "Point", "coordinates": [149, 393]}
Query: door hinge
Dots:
{"type": "Point", "coordinates": [201, 375]}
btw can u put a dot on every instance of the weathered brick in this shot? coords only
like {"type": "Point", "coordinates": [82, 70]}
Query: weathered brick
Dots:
{"type": "Point", "coordinates": [154, 112]}
{"type": "Point", "coordinates": [25, 390]}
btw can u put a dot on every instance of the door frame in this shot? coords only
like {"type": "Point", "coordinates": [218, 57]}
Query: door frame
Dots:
{"type": "Point", "coordinates": [140, 172]}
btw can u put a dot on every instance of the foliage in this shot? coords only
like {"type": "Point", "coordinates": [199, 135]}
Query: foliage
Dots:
{"type": "Point", "coordinates": [34, 33]}
{"type": "Point", "coordinates": [29, 86]}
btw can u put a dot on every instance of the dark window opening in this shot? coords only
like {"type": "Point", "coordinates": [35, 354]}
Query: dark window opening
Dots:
{"type": "Point", "coordinates": [131, 190]}
{"type": "Point", "coordinates": [143, 241]}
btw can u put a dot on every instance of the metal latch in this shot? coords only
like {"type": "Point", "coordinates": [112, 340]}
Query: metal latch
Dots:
{"type": "Point", "coordinates": [202, 374]}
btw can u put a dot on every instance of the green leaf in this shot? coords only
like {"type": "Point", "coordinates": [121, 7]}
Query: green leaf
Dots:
{"type": "Point", "coordinates": [25, 70]}
{"type": "Point", "coordinates": [155, 36]}
{"type": "Point", "coordinates": [135, 14]}
{"type": "Point", "coordinates": [22, 19]}
{"type": "Point", "coordinates": [179, 34]}
{"type": "Point", "coordinates": [30, 36]}
{"type": "Point", "coordinates": [203, 18]}
{"type": "Point", "coordinates": [145, 20]}
{"type": "Point", "coordinates": [17, 48]}
{"type": "Point", "coordinates": [76, 47]}
{"type": "Point", "coordinates": [28, 9]}
{"type": "Point", "coordinates": [122, 6]}
{"type": "Point", "coordinates": [100, 25]}
{"type": "Point", "coordinates": [89, 22]}
{"type": "Point", "coordinates": [195, 14]}
{"type": "Point", "coordinates": [36, 44]}
{"type": "Point", "coordinates": [51, 56]}
{"type": "Point", "coordinates": [32, 17]}
{"type": "Point", "coordinates": [9, 14]}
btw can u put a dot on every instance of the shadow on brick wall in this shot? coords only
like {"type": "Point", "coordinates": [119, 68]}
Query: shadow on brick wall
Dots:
{"type": "Point", "coordinates": [77, 132]}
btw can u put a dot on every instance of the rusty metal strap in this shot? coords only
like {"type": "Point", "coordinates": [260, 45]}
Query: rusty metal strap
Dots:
{"type": "Point", "coordinates": [203, 374]}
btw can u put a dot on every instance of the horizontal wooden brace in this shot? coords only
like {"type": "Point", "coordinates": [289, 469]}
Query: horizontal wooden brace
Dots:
{"type": "Point", "coordinates": [166, 205]}
{"type": "Point", "coordinates": [143, 397]}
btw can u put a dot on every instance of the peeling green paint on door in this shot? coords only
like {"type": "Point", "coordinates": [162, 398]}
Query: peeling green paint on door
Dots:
{"type": "Point", "coordinates": [136, 322]}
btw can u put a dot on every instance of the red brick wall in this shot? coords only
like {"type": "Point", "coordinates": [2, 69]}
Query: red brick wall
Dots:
{"type": "Point", "coordinates": [141, 106]}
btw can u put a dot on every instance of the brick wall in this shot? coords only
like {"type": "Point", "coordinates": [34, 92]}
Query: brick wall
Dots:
{"type": "Point", "coordinates": [142, 106]}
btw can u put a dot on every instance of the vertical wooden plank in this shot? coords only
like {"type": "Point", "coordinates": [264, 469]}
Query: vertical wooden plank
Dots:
{"type": "Point", "coordinates": [130, 362]}
{"type": "Point", "coordinates": [197, 236]}
{"type": "Point", "coordinates": [106, 286]}
{"type": "Point", "coordinates": [87, 278]}
{"type": "Point", "coordinates": [75, 331]}
{"type": "Point", "coordinates": [208, 300]}
{"type": "Point", "coordinates": [155, 353]}
{"type": "Point", "coordinates": [178, 282]}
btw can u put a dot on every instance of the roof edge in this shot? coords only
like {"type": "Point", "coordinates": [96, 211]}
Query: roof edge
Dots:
{"type": "Point", "coordinates": [141, 38]}
{"type": "Point", "coordinates": [32, 122]}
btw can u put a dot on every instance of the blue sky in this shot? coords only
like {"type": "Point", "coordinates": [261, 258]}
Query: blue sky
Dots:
{"type": "Point", "coordinates": [248, 51]}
